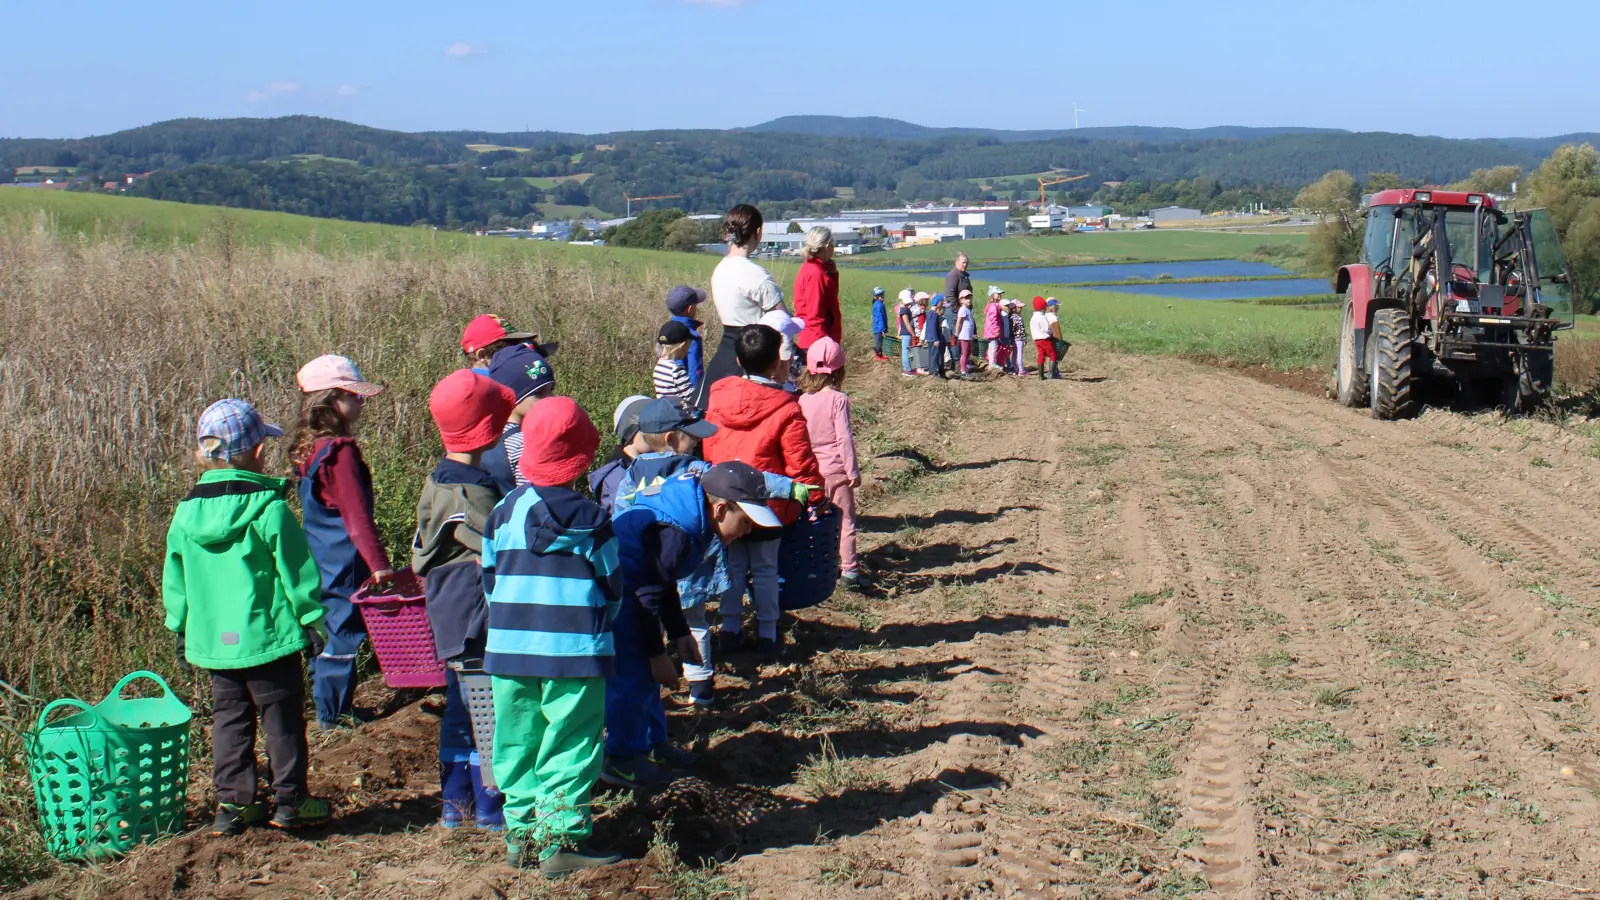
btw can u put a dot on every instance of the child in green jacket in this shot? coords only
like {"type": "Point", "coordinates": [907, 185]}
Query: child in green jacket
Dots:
{"type": "Point", "coordinates": [243, 595]}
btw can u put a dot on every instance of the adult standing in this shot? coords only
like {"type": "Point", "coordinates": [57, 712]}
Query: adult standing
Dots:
{"type": "Point", "coordinates": [816, 291]}
{"type": "Point", "coordinates": [741, 290]}
{"type": "Point", "coordinates": [954, 283]}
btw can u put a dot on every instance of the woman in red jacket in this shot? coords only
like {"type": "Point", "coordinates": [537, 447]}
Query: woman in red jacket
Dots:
{"type": "Point", "coordinates": [760, 423]}
{"type": "Point", "coordinates": [816, 291]}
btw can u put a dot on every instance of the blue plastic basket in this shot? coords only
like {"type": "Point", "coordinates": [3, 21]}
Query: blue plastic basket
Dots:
{"type": "Point", "coordinates": [808, 559]}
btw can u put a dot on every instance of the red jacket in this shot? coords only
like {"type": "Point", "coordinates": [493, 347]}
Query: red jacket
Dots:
{"type": "Point", "coordinates": [816, 300]}
{"type": "Point", "coordinates": [762, 426]}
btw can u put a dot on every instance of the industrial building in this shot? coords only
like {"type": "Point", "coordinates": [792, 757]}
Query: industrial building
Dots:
{"type": "Point", "coordinates": [1175, 214]}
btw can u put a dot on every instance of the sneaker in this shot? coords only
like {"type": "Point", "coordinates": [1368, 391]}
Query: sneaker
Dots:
{"type": "Point", "coordinates": [770, 649]}
{"type": "Point", "coordinates": [664, 754]}
{"type": "Point", "coordinates": [233, 819]}
{"type": "Point", "coordinates": [854, 581]}
{"type": "Point", "coordinates": [306, 812]}
{"type": "Point", "coordinates": [702, 693]}
{"type": "Point", "coordinates": [905, 374]}
{"type": "Point", "coordinates": [730, 642]}
{"type": "Point", "coordinates": [565, 861]}
{"type": "Point", "coordinates": [880, 357]}
{"type": "Point", "coordinates": [633, 773]}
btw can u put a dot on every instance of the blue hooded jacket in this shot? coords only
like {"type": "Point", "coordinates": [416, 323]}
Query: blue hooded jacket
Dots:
{"type": "Point", "coordinates": [880, 316]}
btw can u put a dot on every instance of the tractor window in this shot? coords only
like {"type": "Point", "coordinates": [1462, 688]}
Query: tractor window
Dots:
{"type": "Point", "coordinates": [1555, 291]}
{"type": "Point", "coordinates": [1380, 232]}
{"type": "Point", "coordinates": [1466, 251]}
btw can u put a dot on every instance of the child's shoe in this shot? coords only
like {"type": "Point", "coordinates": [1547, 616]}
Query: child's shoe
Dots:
{"type": "Point", "coordinates": [302, 813]}
{"type": "Point", "coordinates": [854, 581]}
{"type": "Point", "coordinates": [232, 818]}
{"type": "Point", "coordinates": [565, 861]}
{"type": "Point", "coordinates": [770, 649]}
{"type": "Point", "coordinates": [664, 754]}
{"type": "Point", "coordinates": [633, 773]}
{"type": "Point", "coordinates": [880, 357]}
{"type": "Point", "coordinates": [488, 802]}
{"type": "Point", "coordinates": [729, 642]}
{"type": "Point", "coordinates": [455, 789]}
{"type": "Point", "coordinates": [702, 693]}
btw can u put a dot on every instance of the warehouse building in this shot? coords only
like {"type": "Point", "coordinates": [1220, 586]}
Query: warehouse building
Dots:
{"type": "Point", "coordinates": [1175, 214]}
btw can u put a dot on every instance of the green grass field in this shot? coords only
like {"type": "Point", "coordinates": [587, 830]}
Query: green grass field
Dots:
{"type": "Point", "coordinates": [1108, 246]}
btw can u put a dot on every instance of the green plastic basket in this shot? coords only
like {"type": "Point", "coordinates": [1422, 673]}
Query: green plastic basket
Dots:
{"type": "Point", "coordinates": [111, 776]}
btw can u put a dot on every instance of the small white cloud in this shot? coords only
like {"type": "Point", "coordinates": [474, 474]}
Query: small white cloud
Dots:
{"type": "Point", "coordinates": [462, 50]}
{"type": "Point", "coordinates": [348, 90]}
{"type": "Point", "coordinates": [275, 89]}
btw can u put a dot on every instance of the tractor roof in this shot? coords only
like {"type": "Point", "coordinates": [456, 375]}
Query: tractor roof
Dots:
{"type": "Point", "coordinates": [1435, 196]}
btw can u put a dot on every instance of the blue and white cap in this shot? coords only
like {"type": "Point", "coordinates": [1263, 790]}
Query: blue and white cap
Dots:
{"type": "Point", "coordinates": [230, 428]}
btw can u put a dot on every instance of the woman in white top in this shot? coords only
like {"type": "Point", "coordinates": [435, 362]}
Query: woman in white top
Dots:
{"type": "Point", "coordinates": [741, 290]}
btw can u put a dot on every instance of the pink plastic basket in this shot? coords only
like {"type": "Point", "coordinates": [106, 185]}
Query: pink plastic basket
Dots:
{"type": "Point", "coordinates": [397, 622]}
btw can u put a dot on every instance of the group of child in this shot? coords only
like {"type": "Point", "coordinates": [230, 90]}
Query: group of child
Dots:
{"type": "Point", "coordinates": [933, 333]}
{"type": "Point", "coordinates": [570, 601]}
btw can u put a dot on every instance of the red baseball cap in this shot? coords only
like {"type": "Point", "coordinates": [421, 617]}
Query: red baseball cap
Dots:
{"type": "Point", "coordinates": [558, 442]}
{"type": "Point", "coordinates": [487, 329]}
{"type": "Point", "coordinates": [470, 409]}
{"type": "Point", "coordinates": [1038, 304]}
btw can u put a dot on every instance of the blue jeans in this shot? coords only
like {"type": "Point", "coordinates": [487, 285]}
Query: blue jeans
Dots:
{"type": "Point", "coordinates": [333, 674]}
{"type": "Point", "coordinates": [905, 352]}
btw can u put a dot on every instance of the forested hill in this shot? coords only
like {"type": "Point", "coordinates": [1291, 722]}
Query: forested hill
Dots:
{"type": "Point", "coordinates": [327, 167]}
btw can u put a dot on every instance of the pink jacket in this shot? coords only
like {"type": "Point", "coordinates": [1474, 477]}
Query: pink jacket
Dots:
{"type": "Point", "coordinates": [991, 321]}
{"type": "Point", "coordinates": [827, 415]}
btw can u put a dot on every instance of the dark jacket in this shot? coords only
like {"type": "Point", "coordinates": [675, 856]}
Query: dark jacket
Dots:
{"type": "Point", "coordinates": [954, 283]}
{"type": "Point", "coordinates": [452, 512]}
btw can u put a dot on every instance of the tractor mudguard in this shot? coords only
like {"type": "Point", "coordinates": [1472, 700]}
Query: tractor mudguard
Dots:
{"type": "Point", "coordinates": [1355, 282]}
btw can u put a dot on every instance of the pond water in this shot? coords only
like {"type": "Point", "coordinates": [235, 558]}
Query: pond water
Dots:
{"type": "Point", "coordinates": [1226, 290]}
{"type": "Point", "coordinates": [1199, 268]}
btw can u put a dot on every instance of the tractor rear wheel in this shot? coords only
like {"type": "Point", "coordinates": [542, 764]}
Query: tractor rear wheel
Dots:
{"type": "Point", "coordinates": [1392, 365]}
{"type": "Point", "coordinates": [1350, 380]}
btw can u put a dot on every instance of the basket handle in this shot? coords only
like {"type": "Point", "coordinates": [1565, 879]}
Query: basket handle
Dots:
{"type": "Point", "coordinates": [131, 677]}
{"type": "Point", "coordinates": [65, 701]}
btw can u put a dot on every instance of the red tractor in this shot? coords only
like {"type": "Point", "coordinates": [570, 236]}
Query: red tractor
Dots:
{"type": "Point", "coordinates": [1450, 288]}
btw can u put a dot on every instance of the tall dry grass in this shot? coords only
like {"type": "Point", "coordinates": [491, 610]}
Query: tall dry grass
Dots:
{"type": "Point", "coordinates": [109, 351]}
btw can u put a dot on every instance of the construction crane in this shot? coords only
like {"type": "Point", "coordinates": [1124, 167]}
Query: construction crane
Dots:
{"type": "Point", "coordinates": [1044, 182]}
{"type": "Point", "coordinates": [641, 199]}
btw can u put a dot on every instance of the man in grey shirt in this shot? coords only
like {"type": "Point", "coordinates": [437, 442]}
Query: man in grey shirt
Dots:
{"type": "Point", "coordinates": [954, 283]}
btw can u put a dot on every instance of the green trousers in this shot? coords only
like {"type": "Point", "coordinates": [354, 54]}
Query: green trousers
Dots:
{"type": "Point", "coordinates": [547, 754]}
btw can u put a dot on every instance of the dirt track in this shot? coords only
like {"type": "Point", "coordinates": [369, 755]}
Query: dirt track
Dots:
{"type": "Point", "coordinates": [1136, 636]}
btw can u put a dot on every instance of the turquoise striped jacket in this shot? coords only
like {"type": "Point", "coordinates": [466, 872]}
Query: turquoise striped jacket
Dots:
{"type": "Point", "coordinates": [551, 576]}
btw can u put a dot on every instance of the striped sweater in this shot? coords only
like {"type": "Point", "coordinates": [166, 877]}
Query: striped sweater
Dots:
{"type": "Point", "coordinates": [551, 577]}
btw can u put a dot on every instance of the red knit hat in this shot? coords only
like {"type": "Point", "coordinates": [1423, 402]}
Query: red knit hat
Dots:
{"type": "Point", "coordinates": [1038, 304]}
{"type": "Point", "coordinates": [558, 442]}
{"type": "Point", "coordinates": [470, 409]}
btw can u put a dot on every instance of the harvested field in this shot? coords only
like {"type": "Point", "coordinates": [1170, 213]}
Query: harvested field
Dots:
{"type": "Point", "coordinates": [1160, 630]}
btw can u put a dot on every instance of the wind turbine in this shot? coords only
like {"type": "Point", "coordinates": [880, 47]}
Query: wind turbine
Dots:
{"type": "Point", "coordinates": [1075, 111]}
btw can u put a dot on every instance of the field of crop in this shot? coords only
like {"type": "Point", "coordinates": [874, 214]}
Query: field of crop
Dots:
{"type": "Point", "coordinates": [1110, 246]}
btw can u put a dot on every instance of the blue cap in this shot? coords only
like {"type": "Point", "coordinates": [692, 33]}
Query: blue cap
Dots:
{"type": "Point", "coordinates": [522, 369]}
{"type": "Point", "coordinates": [937, 299]}
{"type": "Point", "coordinates": [1051, 301]}
{"type": "Point", "coordinates": [230, 428]}
{"type": "Point", "coordinates": [877, 292]}
{"type": "Point", "coordinates": [661, 416]}
{"type": "Point", "coordinates": [680, 298]}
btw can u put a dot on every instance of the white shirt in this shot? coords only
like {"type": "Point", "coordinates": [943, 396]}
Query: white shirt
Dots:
{"type": "Point", "coordinates": [1039, 327]}
{"type": "Point", "coordinates": [743, 291]}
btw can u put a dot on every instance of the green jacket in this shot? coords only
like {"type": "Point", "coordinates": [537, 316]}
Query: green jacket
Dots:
{"type": "Point", "coordinates": [239, 581]}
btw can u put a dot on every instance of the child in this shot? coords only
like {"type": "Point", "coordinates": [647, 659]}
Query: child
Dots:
{"type": "Point", "coordinates": [760, 423]}
{"type": "Point", "coordinates": [681, 302]}
{"type": "Point", "coordinates": [673, 433]}
{"type": "Point", "coordinates": [1043, 343]}
{"type": "Point", "coordinates": [470, 411]}
{"type": "Point", "coordinates": [966, 329]}
{"type": "Point", "coordinates": [1018, 337]}
{"type": "Point", "coordinates": [1056, 340]}
{"type": "Point", "coordinates": [240, 590]}
{"type": "Point", "coordinates": [603, 481]}
{"type": "Point", "coordinates": [671, 375]}
{"type": "Point", "coordinates": [907, 332]}
{"type": "Point", "coordinates": [336, 500]}
{"type": "Point", "coordinates": [787, 327]}
{"type": "Point", "coordinates": [880, 324]}
{"type": "Point", "coordinates": [919, 334]}
{"type": "Point", "coordinates": [663, 538]}
{"type": "Point", "coordinates": [933, 334]}
{"type": "Point", "coordinates": [487, 335]}
{"type": "Point", "coordinates": [527, 372]}
{"type": "Point", "coordinates": [550, 575]}
{"type": "Point", "coordinates": [827, 412]}
{"type": "Point", "coordinates": [994, 325]}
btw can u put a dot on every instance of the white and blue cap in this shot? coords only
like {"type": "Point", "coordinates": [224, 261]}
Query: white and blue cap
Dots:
{"type": "Point", "coordinates": [230, 428]}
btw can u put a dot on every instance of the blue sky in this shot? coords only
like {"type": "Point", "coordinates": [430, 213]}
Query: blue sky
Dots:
{"type": "Point", "coordinates": [93, 67]}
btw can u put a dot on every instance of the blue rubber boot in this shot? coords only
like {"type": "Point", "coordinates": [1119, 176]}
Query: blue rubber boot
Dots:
{"type": "Point", "coordinates": [455, 783]}
{"type": "Point", "coordinates": [490, 802]}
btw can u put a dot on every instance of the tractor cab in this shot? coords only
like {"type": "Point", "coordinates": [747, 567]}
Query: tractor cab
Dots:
{"type": "Point", "coordinates": [1449, 286]}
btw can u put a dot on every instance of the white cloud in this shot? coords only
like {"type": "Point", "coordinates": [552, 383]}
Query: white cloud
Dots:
{"type": "Point", "coordinates": [348, 90]}
{"type": "Point", "coordinates": [275, 89]}
{"type": "Point", "coordinates": [462, 50]}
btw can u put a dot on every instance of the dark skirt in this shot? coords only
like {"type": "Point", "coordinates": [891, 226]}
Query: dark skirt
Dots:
{"type": "Point", "coordinates": [724, 363]}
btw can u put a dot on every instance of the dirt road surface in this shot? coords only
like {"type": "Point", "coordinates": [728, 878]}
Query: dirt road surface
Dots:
{"type": "Point", "coordinates": [1160, 630]}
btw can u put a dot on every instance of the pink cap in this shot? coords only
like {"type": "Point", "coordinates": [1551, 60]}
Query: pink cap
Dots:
{"type": "Point", "coordinates": [824, 357]}
{"type": "Point", "coordinates": [325, 373]}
